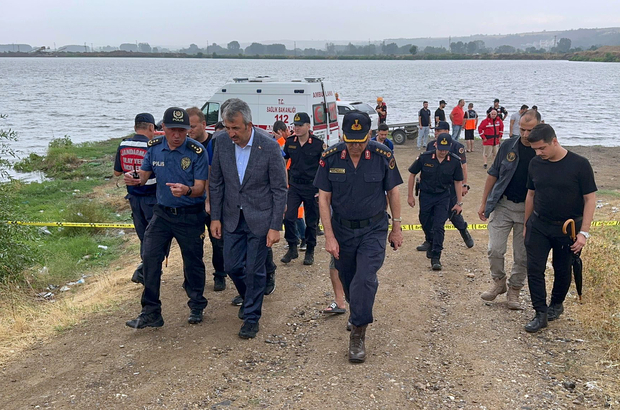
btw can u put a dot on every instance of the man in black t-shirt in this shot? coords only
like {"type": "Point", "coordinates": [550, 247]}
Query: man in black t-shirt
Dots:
{"type": "Point", "coordinates": [424, 123]}
{"type": "Point", "coordinates": [502, 113]}
{"type": "Point", "coordinates": [560, 186]}
{"type": "Point", "coordinates": [440, 115]}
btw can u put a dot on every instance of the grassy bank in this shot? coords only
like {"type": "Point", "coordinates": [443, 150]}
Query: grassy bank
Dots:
{"type": "Point", "coordinates": [81, 191]}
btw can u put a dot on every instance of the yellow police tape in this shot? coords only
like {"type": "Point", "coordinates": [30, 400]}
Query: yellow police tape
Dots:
{"type": "Point", "coordinates": [473, 227]}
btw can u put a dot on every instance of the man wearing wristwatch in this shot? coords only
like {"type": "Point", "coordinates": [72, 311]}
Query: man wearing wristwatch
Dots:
{"type": "Point", "coordinates": [439, 170]}
{"type": "Point", "coordinates": [560, 186]}
{"type": "Point", "coordinates": [182, 169]}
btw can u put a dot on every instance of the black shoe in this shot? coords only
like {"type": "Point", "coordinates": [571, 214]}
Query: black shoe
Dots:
{"type": "Point", "coordinates": [237, 301]}
{"type": "Point", "coordinates": [429, 253]}
{"type": "Point", "coordinates": [290, 254]}
{"type": "Point", "coordinates": [485, 166]}
{"type": "Point", "coordinates": [195, 317]}
{"type": "Point", "coordinates": [436, 264]}
{"type": "Point", "coordinates": [309, 258]}
{"type": "Point", "coordinates": [303, 245]}
{"type": "Point", "coordinates": [219, 283]}
{"type": "Point", "coordinates": [146, 320]}
{"type": "Point", "coordinates": [319, 232]}
{"type": "Point", "coordinates": [240, 312]}
{"type": "Point", "coordinates": [271, 283]}
{"type": "Point", "coordinates": [138, 275]}
{"type": "Point", "coordinates": [424, 247]}
{"type": "Point", "coordinates": [469, 241]}
{"type": "Point", "coordinates": [555, 311]}
{"type": "Point", "coordinates": [539, 321]}
{"type": "Point", "coordinates": [248, 330]}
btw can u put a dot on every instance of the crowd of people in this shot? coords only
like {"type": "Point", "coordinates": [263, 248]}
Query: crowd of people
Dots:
{"type": "Point", "coordinates": [243, 184]}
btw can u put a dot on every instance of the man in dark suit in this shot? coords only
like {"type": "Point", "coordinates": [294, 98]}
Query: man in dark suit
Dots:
{"type": "Point", "coordinates": [248, 196]}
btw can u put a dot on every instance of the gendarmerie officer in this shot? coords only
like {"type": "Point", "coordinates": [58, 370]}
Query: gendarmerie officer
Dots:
{"type": "Point", "coordinates": [305, 151]}
{"type": "Point", "coordinates": [457, 219]}
{"type": "Point", "coordinates": [353, 178]}
{"type": "Point", "coordinates": [439, 170]}
{"type": "Point", "coordinates": [182, 168]}
{"type": "Point", "coordinates": [129, 156]}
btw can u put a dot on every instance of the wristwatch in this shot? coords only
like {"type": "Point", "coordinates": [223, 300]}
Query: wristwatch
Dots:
{"type": "Point", "coordinates": [459, 203]}
{"type": "Point", "coordinates": [189, 191]}
{"type": "Point", "coordinates": [397, 219]}
{"type": "Point", "coordinates": [585, 234]}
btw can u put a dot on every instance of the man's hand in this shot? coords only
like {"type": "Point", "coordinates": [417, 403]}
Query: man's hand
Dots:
{"type": "Point", "coordinates": [208, 207]}
{"type": "Point", "coordinates": [216, 229]}
{"type": "Point", "coordinates": [332, 247]}
{"type": "Point", "coordinates": [395, 238]}
{"type": "Point", "coordinates": [273, 236]}
{"type": "Point", "coordinates": [481, 213]}
{"type": "Point", "coordinates": [457, 208]}
{"type": "Point", "coordinates": [177, 189]}
{"type": "Point", "coordinates": [580, 242]}
{"type": "Point", "coordinates": [464, 190]}
{"type": "Point", "coordinates": [130, 180]}
{"type": "Point", "coordinates": [411, 200]}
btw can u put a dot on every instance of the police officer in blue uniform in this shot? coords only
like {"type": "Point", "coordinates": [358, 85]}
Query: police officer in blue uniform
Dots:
{"type": "Point", "coordinates": [182, 168]}
{"type": "Point", "coordinates": [353, 178]}
{"type": "Point", "coordinates": [439, 170]}
{"type": "Point", "coordinates": [457, 220]}
{"type": "Point", "coordinates": [129, 156]}
{"type": "Point", "coordinates": [304, 151]}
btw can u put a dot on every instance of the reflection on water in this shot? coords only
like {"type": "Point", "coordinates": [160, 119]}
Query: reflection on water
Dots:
{"type": "Point", "coordinates": [97, 98]}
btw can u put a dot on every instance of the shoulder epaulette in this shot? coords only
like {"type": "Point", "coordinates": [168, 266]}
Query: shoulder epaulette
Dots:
{"type": "Point", "coordinates": [194, 146]}
{"type": "Point", "coordinates": [432, 151]}
{"type": "Point", "coordinates": [333, 150]}
{"type": "Point", "coordinates": [385, 152]}
{"type": "Point", "coordinates": [455, 156]}
{"type": "Point", "coordinates": [155, 141]}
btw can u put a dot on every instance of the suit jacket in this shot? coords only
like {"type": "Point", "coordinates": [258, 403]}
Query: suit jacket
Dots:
{"type": "Point", "coordinates": [262, 194]}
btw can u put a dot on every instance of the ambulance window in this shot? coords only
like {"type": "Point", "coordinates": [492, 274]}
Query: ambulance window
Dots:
{"type": "Point", "coordinates": [211, 111]}
{"type": "Point", "coordinates": [319, 114]}
{"type": "Point", "coordinates": [332, 112]}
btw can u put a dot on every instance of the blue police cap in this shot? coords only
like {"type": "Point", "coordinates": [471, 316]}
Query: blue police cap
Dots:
{"type": "Point", "coordinates": [444, 141]}
{"type": "Point", "coordinates": [301, 118]}
{"type": "Point", "coordinates": [144, 117]}
{"type": "Point", "coordinates": [355, 126]}
{"type": "Point", "coordinates": [176, 117]}
{"type": "Point", "coordinates": [443, 125]}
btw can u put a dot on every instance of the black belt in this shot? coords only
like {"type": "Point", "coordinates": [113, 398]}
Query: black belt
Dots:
{"type": "Point", "coordinates": [512, 200]}
{"type": "Point", "coordinates": [301, 181]}
{"type": "Point", "coordinates": [191, 209]}
{"type": "Point", "coordinates": [360, 223]}
{"type": "Point", "coordinates": [552, 222]}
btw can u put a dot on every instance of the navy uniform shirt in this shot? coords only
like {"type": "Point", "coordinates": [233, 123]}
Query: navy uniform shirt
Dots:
{"type": "Point", "coordinates": [437, 177]}
{"type": "Point", "coordinates": [183, 165]}
{"type": "Point", "coordinates": [358, 193]}
{"type": "Point", "coordinates": [129, 157]}
{"type": "Point", "coordinates": [304, 159]}
{"type": "Point", "coordinates": [456, 148]}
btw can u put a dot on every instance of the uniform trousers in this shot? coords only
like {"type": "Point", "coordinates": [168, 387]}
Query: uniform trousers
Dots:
{"type": "Point", "coordinates": [540, 238]}
{"type": "Point", "coordinates": [361, 255]}
{"type": "Point", "coordinates": [141, 213]}
{"type": "Point", "coordinates": [188, 228]}
{"type": "Point", "coordinates": [434, 211]}
{"type": "Point", "coordinates": [244, 258]}
{"type": "Point", "coordinates": [507, 216]}
{"type": "Point", "coordinates": [217, 245]}
{"type": "Point", "coordinates": [298, 193]}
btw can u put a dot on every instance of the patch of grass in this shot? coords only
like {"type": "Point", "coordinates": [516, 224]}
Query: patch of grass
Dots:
{"type": "Point", "coordinates": [600, 313]}
{"type": "Point", "coordinates": [608, 193]}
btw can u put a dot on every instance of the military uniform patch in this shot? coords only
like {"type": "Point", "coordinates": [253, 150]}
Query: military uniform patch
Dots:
{"type": "Point", "coordinates": [392, 164]}
{"type": "Point", "coordinates": [461, 150]}
{"type": "Point", "coordinates": [337, 171]}
{"type": "Point", "coordinates": [511, 156]}
{"type": "Point", "coordinates": [195, 147]}
{"type": "Point", "coordinates": [185, 163]}
{"type": "Point", "coordinates": [155, 141]}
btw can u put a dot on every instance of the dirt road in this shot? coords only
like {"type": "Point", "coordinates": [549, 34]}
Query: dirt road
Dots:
{"type": "Point", "coordinates": [434, 343]}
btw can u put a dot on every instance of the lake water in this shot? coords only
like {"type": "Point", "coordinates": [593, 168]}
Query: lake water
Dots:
{"type": "Point", "coordinates": [92, 99]}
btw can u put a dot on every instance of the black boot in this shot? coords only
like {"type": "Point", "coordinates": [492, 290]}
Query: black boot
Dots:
{"type": "Point", "coordinates": [357, 345]}
{"type": "Point", "coordinates": [436, 264]}
{"type": "Point", "coordinates": [271, 283]}
{"type": "Point", "coordinates": [424, 247]}
{"type": "Point", "coordinates": [469, 241]}
{"type": "Point", "coordinates": [291, 253]}
{"type": "Point", "coordinates": [138, 275]}
{"type": "Point", "coordinates": [554, 311]}
{"type": "Point", "coordinates": [539, 321]}
{"type": "Point", "coordinates": [309, 258]}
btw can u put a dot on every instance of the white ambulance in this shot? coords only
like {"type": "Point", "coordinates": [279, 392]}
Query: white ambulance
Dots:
{"type": "Point", "coordinates": [272, 101]}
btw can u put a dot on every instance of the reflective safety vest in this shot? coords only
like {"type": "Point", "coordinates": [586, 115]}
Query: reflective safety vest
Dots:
{"type": "Point", "coordinates": [470, 119]}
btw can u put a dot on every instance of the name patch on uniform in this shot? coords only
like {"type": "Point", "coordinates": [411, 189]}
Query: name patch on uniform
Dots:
{"type": "Point", "coordinates": [185, 163]}
{"type": "Point", "coordinates": [337, 171]}
{"type": "Point", "coordinates": [429, 165]}
{"type": "Point", "coordinates": [511, 156]}
{"type": "Point", "coordinates": [158, 163]}
{"type": "Point", "coordinates": [292, 147]}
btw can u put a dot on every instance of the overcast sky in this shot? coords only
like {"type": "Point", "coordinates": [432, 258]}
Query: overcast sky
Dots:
{"type": "Point", "coordinates": [179, 23]}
